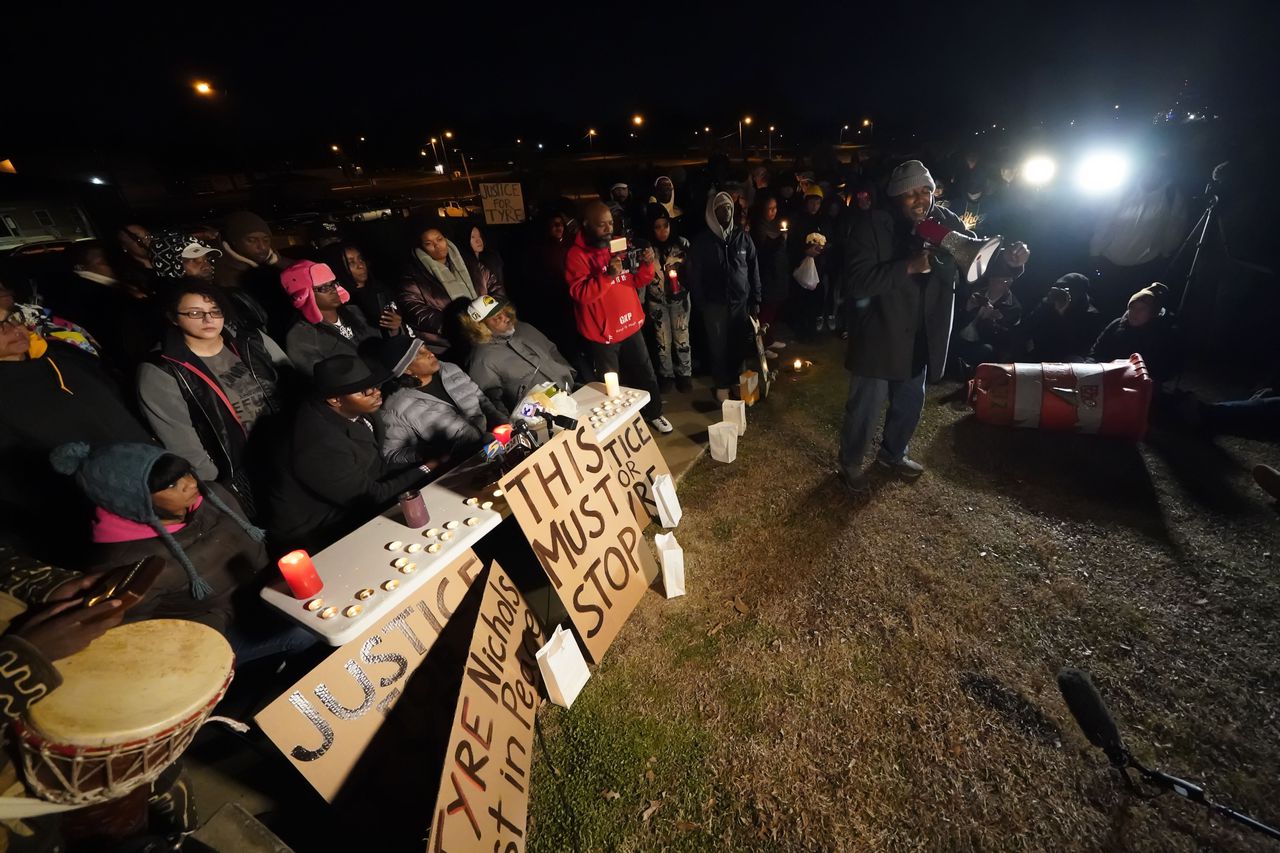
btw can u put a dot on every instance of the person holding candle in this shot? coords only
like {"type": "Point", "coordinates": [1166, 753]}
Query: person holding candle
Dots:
{"type": "Point", "coordinates": [606, 306]}
{"type": "Point", "coordinates": [150, 502]}
{"type": "Point", "coordinates": [666, 303]}
{"type": "Point", "coordinates": [769, 233]}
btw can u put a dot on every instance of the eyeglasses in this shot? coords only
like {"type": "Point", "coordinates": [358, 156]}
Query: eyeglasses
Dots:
{"type": "Point", "coordinates": [331, 287]}
{"type": "Point", "coordinates": [196, 314]}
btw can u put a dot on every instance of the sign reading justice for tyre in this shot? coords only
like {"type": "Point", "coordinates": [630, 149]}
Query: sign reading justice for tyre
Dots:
{"type": "Point", "coordinates": [579, 521]}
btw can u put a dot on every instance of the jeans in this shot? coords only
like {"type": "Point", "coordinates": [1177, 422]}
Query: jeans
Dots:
{"type": "Point", "coordinates": [1255, 418]}
{"type": "Point", "coordinates": [670, 324]}
{"type": "Point", "coordinates": [251, 645]}
{"type": "Point", "coordinates": [728, 337]}
{"type": "Point", "coordinates": [862, 410]}
{"type": "Point", "coordinates": [629, 358]}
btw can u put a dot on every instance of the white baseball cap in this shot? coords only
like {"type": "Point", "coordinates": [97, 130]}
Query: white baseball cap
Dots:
{"type": "Point", "coordinates": [483, 307]}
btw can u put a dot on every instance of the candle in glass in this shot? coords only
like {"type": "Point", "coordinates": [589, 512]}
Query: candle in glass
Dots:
{"type": "Point", "coordinates": [300, 573]}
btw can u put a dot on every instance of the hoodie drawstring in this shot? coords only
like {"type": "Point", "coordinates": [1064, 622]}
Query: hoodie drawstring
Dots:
{"type": "Point", "coordinates": [61, 382]}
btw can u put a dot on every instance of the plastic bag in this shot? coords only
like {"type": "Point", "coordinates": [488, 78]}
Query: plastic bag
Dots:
{"type": "Point", "coordinates": [806, 275]}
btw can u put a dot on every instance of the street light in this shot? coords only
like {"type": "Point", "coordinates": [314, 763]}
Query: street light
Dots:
{"type": "Point", "coordinates": [637, 120]}
{"type": "Point", "coordinates": [706, 130]}
{"type": "Point", "coordinates": [334, 148]}
{"type": "Point", "coordinates": [840, 141]}
{"type": "Point", "coordinates": [591, 138]}
{"type": "Point", "coordinates": [203, 88]}
{"type": "Point", "coordinates": [448, 134]}
{"type": "Point", "coordinates": [771, 142]}
{"type": "Point", "coordinates": [747, 121]}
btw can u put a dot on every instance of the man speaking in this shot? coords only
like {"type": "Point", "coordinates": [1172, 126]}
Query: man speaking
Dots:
{"type": "Point", "coordinates": [904, 297]}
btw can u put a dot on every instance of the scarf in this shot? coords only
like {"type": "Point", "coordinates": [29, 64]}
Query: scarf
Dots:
{"type": "Point", "coordinates": [272, 259]}
{"type": "Point", "coordinates": [453, 275]}
{"type": "Point", "coordinates": [767, 229]}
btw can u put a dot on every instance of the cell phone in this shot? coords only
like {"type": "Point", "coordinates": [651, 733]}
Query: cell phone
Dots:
{"type": "Point", "coordinates": [129, 583]}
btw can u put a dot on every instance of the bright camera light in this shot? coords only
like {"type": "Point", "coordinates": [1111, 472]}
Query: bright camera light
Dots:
{"type": "Point", "coordinates": [1102, 172]}
{"type": "Point", "coordinates": [1039, 170]}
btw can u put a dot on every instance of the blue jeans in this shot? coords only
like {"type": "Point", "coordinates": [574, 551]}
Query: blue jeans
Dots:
{"type": "Point", "coordinates": [862, 410]}
{"type": "Point", "coordinates": [279, 638]}
{"type": "Point", "coordinates": [1258, 418]}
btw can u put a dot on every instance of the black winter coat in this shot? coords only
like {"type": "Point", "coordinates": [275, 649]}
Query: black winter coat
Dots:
{"type": "Point", "coordinates": [332, 479]}
{"type": "Point", "coordinates": [906, 323]}
{"type": "Point", "coordinates": [775, 267]}
{"type": "Point", "coordinates": [724, 272]}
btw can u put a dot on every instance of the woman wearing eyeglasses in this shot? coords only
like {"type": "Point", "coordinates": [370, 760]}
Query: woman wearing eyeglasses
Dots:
{"type": "Point", "coordinates": [328, 326]}
{"type": "Point", "coordinates": [205, 389]}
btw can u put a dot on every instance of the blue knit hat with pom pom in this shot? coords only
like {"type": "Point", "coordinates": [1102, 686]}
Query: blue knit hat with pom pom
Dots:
{"type": "Point", "coordinates": [115, 477]}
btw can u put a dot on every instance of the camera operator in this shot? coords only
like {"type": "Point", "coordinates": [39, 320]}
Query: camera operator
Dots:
{"type": "Point", "coordinates": [904, 298]}
{"type": "Point", "coordinates": [606, 306]}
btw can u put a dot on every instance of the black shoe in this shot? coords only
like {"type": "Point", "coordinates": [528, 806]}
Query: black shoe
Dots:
{"type": "Point", "coordinates": [665, 384]}
{"type": "Point", "coordinates": [684, 384]}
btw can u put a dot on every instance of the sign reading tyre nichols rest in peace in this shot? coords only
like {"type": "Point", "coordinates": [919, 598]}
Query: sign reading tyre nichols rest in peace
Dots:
{"type": "Point", "coordinates": [483, 799]}
{"type": "Point", "coordinates": [579, 520]}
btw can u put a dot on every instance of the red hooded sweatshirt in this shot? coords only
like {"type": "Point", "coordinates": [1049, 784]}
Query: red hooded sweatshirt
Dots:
{"type": "Point", "coordinates": [606, 307]}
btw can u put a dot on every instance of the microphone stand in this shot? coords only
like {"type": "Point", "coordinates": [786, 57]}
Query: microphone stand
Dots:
{"type": "Point", "coordinates": [1122, 760]}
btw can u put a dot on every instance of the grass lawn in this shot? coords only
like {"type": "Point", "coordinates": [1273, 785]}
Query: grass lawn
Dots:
{"type": "Point", "coordinates": [885, 678]}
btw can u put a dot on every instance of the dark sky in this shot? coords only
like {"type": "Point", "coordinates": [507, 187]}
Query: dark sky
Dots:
{"type": "Point", "coordinates": [293, 78]}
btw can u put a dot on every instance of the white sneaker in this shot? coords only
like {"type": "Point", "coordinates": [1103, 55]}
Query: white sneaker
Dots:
{"type": "Point", "coordinates": [778, 345]}
{"type": "Point", "coordinates": [662, 425]}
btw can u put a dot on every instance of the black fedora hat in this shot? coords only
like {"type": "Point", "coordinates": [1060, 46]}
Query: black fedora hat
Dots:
{"type": "Point", "coordinates": [347, 374]}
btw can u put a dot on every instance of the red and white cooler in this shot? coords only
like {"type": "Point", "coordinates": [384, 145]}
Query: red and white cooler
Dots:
{"type": "Point", "coordinates": [1105, 399]}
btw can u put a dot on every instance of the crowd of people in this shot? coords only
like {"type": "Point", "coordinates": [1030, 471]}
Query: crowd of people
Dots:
{"type": "Point", "coordinates": [211, 397]}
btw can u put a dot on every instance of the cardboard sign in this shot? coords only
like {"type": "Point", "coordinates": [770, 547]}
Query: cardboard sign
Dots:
{"type": "Point", "coordinates": [327, 719]}
{"type": "Point", "coordinates": [484, 786]}
{"type": "Point", "coordinates": [568, 502]}
{"type": "Point", "coordinates": [503, 203]}
{"type": "Point", "coordinates": [638, 461]}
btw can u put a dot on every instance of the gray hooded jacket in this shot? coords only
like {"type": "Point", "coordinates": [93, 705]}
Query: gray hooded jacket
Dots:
{"type": "Point", "coordinates": [722, 267]}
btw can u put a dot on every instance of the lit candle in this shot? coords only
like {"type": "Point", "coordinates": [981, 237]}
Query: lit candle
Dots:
{"type": "Point", "coordinates": [611, 384]}
{"type": "Point", "coordinates": [783, 226]}
{"type": "Point", "coordinates": [300, 573]}
{"type": "Point", "coordinates": [502, 433]}
{"type": "Point", "coordinates": [798, 365]}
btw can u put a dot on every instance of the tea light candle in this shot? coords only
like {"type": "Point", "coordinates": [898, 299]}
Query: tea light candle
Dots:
{"type": "Point", "coordinates": [782, 226]}
{"type": "Point", "coordinates": [797, 365]}
{"type": "Point", "coordinates": [300, 573]}
{"type": "Point", "coordinates": [611, 384]}
{"type": "Point", "coordinates": [502, 433]}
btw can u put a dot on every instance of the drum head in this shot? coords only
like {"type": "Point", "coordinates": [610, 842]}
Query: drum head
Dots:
{"type": "Point", "coordinates": [133, 682]}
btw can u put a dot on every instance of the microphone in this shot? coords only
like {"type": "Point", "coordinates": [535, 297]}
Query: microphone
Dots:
{"type": "Point", "coordinates": [1091, 715]}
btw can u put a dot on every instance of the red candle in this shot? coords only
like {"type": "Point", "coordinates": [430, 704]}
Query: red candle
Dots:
{"type": "Point", "coordinates": [301, 575]}
{"type": "Point", "coordinates": [502, 433]}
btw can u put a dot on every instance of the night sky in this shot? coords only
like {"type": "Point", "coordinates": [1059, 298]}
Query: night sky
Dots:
{"type": "Point", "coordinates": [293, 78]}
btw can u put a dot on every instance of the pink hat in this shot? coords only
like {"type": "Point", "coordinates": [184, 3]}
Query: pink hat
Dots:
{"type": "Point", "coordinates": [298, 280]}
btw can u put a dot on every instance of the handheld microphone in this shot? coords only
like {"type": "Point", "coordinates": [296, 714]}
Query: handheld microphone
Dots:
{"type": "Point", "coordinates": [1091, 715]}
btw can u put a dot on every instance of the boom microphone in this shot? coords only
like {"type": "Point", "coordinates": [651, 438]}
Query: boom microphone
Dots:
{"type": "Point", "coordinates": [1091, 715]}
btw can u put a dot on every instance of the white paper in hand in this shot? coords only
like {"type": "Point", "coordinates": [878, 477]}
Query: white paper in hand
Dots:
{"type": "Point", "coordinates": [564, 670]}
{"type": "Point", "coordinates": [672, 557]}
{"type": "Point", "coordinates": [664, 494]}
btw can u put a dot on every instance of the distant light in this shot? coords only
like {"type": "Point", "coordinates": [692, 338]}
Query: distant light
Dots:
{"type": "Point", "coordinates": [333, 148]}
{"type": "Point", "coordinates": [518, 141]}
{"type": "Point", "coordinates": [591, 132]}
{"type": "Point", "coordinates": [1116, 107]}
{"type": "Point", "coordinates": [866, 122]}
{"type": "Point", "coordinates": [97, 180]}
{"type": "Point", "coordinates": [846, 127]}
{"type": "Point", "coordinates": [448, 134]}
{"type": "Point", "coordinates": [706, 130]}
{"type": "Point", "coordinates": [637, 119]}
{"type": "Point", "coordinates": [540, 144]}
{"type": "Point", "coordinates": [1039, 170]}
{"type": "Point", "coordinates": [423, 152]}
{"type": "Point", "coordinates": [433, 140]}
{"type": "Point", "coordinates": [1102, 172]}
{"type": "Point", "coordinates": [746, 119]}
{"type": "Point", "coordinates": [203, 88]}
{"type": "Point", "coordinates": [362, 139]}
{"type": "Point", "coordinates": [771, 128]}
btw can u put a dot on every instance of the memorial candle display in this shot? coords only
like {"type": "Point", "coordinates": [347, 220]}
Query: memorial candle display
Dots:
{"type": "Point", "coordinates": [611, 384]}
{"type": "Point", "coordinates": [300, 573]}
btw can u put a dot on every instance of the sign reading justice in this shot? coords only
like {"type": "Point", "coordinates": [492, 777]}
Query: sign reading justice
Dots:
{"type": "Point", "coordinates": [637, 460]}
{"type": "Point", "coordinates": [484, 786]}
{"type": "Point", "coordinates": [578, 519]}
{"type": "Point", "coordinates": [328, 718]}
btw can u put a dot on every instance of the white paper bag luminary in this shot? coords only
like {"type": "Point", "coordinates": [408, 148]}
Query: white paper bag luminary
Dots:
{"type": "Point", "coordinates": [723, 438]}
{"type": "Point", "coordinates": [664, 493]}
{"type": "Point", "coordinates": [672, 557]}
{"type": "Point", "coordinates": [735, 412]}
{"type": "Point", "coordinates": [564, 669]}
